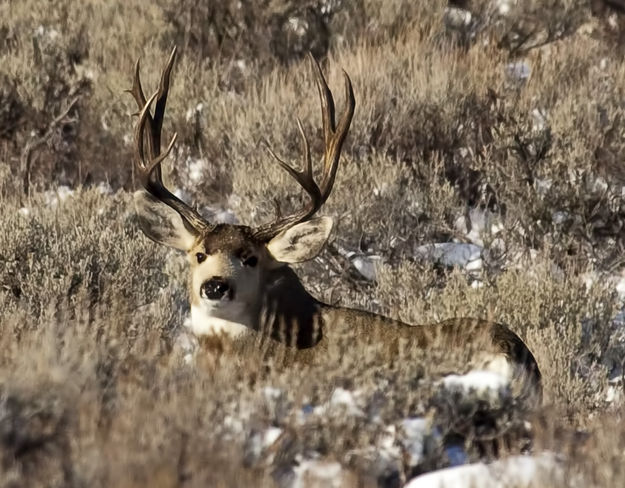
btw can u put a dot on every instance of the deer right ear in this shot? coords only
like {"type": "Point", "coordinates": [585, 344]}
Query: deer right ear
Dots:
{"type": "Point", "coordinates": [163, 224]}
{"type": "Point", "coordinates": [301, 242]}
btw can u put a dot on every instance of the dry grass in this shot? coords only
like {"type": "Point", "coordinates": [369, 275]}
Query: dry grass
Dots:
{"type": "Point", "coordinates": [93, 390]}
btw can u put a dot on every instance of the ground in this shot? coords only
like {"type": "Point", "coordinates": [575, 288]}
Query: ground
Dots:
{"type": "Point", "coordinates": [483, 176]}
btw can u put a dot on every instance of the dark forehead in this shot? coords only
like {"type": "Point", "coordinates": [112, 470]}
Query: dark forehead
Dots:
{"type": "Point", "coordinates": [229, 238]}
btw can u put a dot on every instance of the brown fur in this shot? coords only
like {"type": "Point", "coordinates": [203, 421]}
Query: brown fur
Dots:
{"type": "Point", "coordinates": [292, 316]}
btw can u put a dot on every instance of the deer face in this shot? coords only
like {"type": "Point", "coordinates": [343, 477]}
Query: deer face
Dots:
{"type": "Point", "coordinates": [229, 265]}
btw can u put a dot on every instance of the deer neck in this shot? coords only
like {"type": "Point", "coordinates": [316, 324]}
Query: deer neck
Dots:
{"type": "Point", "coordinates": [287, 312]}
{"type": "Point", "coordinates": [291, 315]}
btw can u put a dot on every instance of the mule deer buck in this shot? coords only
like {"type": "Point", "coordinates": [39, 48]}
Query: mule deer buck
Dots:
{"type": "Point", "coordinates": [240, 281]}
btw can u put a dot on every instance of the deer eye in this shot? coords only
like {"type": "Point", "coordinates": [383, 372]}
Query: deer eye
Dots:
{"type": "Point", "coordinates": [200, 256]}
{"type": "Point", "coordinates": [250, 261]}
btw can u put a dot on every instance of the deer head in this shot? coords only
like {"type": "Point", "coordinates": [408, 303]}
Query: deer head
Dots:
{"type": "Point", "coordinates": [230, 265]}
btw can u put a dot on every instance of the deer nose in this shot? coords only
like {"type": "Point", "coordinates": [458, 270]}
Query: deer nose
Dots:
{"type": "Point", "coordinates": [215, 288]}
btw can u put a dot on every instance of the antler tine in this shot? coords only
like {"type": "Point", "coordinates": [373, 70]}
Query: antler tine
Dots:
{"type": "Point", "coordinates": [161, 100]}
{"type": "Point", "coordinates": [137, 91]}
{"type": "Point", "coordinates": [144, 117]}
{"type": "Point", "coordinates": [326, 99]}
{"type": "Point", "coordinates": [149, 169]}
{"type": "Point", "coordinates": [333, 136]}
{"type": "Point", "coordinates": [333, 140]}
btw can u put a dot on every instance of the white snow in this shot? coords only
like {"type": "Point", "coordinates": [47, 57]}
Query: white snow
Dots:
{"type": "Point", "coordinates": [415, 431]}
{"type": "Point", "coordinates": [186, 344]}
{"type": "Point", "coordinates": [539, 117]}
{"type": "Point", "coordinates": [475, 265]}
{"type": "Point", "coordinates": [504, 7]}
{"type": "Point", "coordinates": [345, 399]}
{"type": "Point", "coordinates": [457, 18]}
{"type": "Point", "coordinates": [614, 392]}
{"type": "Point", "coordinates": [341, 401]}
{"type": "Point", "coordinates": [194, 111]}
{"type": "Point", "coordinates": [477, 224]}
{"type": "Point", "coordinates": [221, 215]}
{"type": "Point", "coordinates": [259, 444]}
{"type": "Point", "coordinates": [49, 32]}
{"type": "Point", "coordinates": [64, 192]}
{"type": "Point", "coordinates": [543, 186]}
{"type": "Point", "coordinates": [197, 168]}
{"type": "Point", "coordinates": [519, 70]}
{"type": "Point", "coordinates": [620, 286]}
{"type": "Point", "coordinates": [272, 393]}
{"type": "Point", "coordinates": [270, 436]}
{"type": "Point", "coordinates": [366, 265]}
{"type": "Point", "coordinates": [54, 197]}
{"type": "Point", "coordinates": [560, 217]}
{"type": "Point", "coordinates": [104, 188]}
{"type": "Point", "coordinates": [537, 471]}
{"type": "Point", "coordinates": [485, 385]}
{"type": "Point", "coordinates": [316, 473]}
{"type": "Point", "coordinates": [451, 254]}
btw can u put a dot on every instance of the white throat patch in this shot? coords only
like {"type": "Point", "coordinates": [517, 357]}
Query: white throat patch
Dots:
{"type": "Point", "coordinates": [204, 324]}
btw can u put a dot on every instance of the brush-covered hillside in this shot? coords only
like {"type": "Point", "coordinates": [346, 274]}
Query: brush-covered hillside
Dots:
{"type": "Point", "coordinates": [483, 176]}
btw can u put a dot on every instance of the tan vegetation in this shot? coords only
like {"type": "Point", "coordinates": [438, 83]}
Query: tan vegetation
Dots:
{"type": "Point", "coordinates": [93, 387]}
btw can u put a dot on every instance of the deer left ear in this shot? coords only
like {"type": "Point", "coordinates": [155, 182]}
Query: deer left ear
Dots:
{"type": "Point", "coordinates": [302, 242]}
{"type": "Point", "coordinates": [163, 224]}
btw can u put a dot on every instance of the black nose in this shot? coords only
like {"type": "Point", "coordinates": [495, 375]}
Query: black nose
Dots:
{"type": "Point", "coordinates": [215, 288]}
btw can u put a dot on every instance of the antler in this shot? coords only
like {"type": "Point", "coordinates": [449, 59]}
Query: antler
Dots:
{"type": "Point", "coordinates": [334, 136]}
{"type": "Point", "coordinates": [149, 169]}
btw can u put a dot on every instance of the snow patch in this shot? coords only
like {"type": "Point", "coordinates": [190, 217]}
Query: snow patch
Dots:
{"type": "Point", "coordinates": [186, 344]}
{"type": "Point", "coordinates": [61, 194]}
{"type": "Point", "coordinates": [197, 168]}
{"type": "Point", "coordinates": [346, 400]}
{"type": "Point", "coordinates": [526, 471]}
{"type": "Point", "coordinates": [193, 112]}
{"type": "Point", "coordinates": [477, 224]}
{"type": "Point", "coordinates": [457, 18]}
{"type": "Point", "coordinates": [415, 432]}
{"type": "Point", "coordinates": [315, 473]}
{"type": "Point", "coordinates": [366, 266]}
{"type": "Point", "coordinates": [452, 254]}
{"type": "Point", "coordinates": [481, 384]}
{"type": "Point", "coordinates": [519, 70]}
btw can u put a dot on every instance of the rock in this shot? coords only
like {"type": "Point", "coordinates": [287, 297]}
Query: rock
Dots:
{"type": "Point", "coordinates": [452, 254]}
{"type": "Point", "coordinates": [366, 266]}
{"type": "Point", "coordinates": [526, 471]}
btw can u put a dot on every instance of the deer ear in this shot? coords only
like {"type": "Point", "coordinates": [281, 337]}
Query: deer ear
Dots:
{"type": "Point", "coordinates": [301, 242]}
{"type": "Point", "coordinates": [163, 224]}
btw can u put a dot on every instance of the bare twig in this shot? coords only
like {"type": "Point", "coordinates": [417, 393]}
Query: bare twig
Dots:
{"type": "Point", "coordinates": [34, 144]}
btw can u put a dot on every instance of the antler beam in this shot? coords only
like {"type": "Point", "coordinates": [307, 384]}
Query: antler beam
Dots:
{"type": "Point", "coordinates": [148, 168]}
{"type": "Point", "coordinates": [334, 135]}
